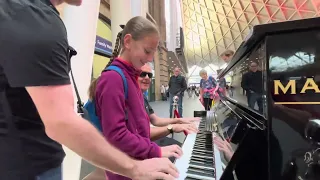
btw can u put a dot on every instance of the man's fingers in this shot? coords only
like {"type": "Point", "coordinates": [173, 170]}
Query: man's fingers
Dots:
{"type": "Point", "coordinates": [169, 168]}
{"type": "Point", "coordinates": [178, 150]}
{"type": "Point", "coordinates": [229, 145]}
{"type": "Point", "coordinates": [162, 176]}
{"type": "Point", "coordinates": [174, 154]}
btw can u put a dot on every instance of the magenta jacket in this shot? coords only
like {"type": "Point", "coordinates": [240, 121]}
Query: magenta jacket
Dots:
{"type": "Point", "coordinates": [131, 136]}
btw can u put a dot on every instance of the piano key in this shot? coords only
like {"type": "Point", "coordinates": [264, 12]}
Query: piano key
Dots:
{"type": "Point", "coordinates": [203, 150]}
{"type": "Point", "coordinates": [200, 156]}
{"type": "Point", "coordinates": [200, 172]}
{"type": "Point", "coordinates": [190, 178]}
{"type": "Point", "coordinates": [199, 163]}
{"type": "Point", "coordinates": [194, 176]}
{"type": "Point", "coordinates": [202, 169]}
{"type": "Point", "coordinates": [209, 168]}
{"type": "Point", "coordinates": [198, 159]}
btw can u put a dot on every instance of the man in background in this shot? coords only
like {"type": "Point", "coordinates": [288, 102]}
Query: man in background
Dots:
{"type": "Point", "coordinates": [177, 86]}
{"type": "Point", "coordinates": [226, 56]}
{"type": "Point", "coordinates": [252, 83]}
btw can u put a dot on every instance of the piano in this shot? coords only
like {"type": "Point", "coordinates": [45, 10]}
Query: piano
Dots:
{"type": "Point", "coordinates": [201, 159]}
{"type": "Point", "coordinates": [270, 116]}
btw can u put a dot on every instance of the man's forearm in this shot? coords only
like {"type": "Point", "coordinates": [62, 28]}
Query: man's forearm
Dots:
{"type": "Point", "coordinates": [157, 121]}
{"type": "Point", "coordinates": [81, 137]}
{"type": "Point", "coordinates": [158, 132]}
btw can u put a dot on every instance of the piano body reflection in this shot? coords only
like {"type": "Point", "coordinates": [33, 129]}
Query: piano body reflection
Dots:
{"type": "Point", "coordinates": [271, 115]}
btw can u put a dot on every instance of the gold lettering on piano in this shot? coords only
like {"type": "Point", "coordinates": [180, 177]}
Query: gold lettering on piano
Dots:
{"type": "Point", "coordinates": [291, 84]}
{"type": "Point", "coordinates": [310, 85]}
{"type": "Point", "coordinates": [290, 88]}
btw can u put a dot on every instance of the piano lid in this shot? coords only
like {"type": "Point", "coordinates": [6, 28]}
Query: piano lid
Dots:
{"type": "Point", "coordinates": [260, 31]}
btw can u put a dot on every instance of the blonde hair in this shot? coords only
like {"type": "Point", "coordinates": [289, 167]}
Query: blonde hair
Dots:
{"type": "Point", "coordinates": [92, 89]}
{"type": "Point", "coordinates": [203, 71]}
{"type": "Point", "coordinates": [138, 27]}
{"type": "Point", "coordinates": [227, 53]}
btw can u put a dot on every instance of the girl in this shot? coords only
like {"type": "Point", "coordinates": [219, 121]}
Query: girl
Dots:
{"type": "Point", "coordinates": [125, 123]}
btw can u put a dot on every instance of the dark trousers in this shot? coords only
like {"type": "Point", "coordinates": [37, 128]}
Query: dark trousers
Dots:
{"type": "Point", "coordinates": [207, 103]}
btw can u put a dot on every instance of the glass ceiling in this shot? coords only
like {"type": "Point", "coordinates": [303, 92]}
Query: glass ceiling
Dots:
{"type": "Point", "coordinates": [212, 26]}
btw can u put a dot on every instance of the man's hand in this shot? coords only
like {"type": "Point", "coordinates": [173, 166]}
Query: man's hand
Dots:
{"type": "Point", "coordinates": [171, 151]}
{"type": "Point", "coordinates": [224, 146]}
{"type": "Point", "coordinates": [153, 169]}
{"type": "Point", "coordinates": [188, 128]}
{"type": "Point", "coordinates": [187, 120]}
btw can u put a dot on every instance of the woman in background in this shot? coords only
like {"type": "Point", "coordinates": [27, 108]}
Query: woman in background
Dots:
{"type": "Point", "coordinates": [207, 89]}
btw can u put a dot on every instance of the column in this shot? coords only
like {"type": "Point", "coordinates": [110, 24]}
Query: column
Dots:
{"type": "Point", "coordinates": [122, 11]}
{"type": "Point", "coordinates": [81, 24]}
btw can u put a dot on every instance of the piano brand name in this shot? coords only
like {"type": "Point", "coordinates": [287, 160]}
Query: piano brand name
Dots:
{"type": "Point", "coordinates": [290, 87]}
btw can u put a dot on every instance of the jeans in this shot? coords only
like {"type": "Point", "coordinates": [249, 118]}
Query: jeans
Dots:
{"type": "Point", "coordinates": [52, 174]}
{"type": "Point", "coordinates": [179, 104]}
{"type": "Point", "coordinates": [254, 98]}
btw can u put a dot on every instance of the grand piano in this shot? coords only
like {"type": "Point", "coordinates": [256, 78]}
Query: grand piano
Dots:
{"type": "Point", "coordinates": [269, 112]}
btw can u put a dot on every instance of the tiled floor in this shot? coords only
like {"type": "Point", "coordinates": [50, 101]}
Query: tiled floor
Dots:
{"type": "Point", "coordinates": [161, 108]}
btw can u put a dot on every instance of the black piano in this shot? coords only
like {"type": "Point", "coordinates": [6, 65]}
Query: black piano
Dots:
{"type": "Point", "coordinates": [269, 111]}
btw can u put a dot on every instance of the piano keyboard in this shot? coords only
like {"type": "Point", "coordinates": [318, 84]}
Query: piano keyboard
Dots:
{"type": "Point", "coordinates": [201, 159]}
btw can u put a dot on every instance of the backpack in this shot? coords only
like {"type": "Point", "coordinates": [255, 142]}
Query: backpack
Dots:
{"type": "Point", "coordinates": [90, 105]}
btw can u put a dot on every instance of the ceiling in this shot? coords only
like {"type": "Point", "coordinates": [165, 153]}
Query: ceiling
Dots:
{"type": "Point", "coordinates": [212, 26]}
{"type": "Point", "coordinates": [173, 61]}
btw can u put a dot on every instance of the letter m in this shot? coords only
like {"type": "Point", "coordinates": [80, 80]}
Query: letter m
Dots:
{"type": "Point", "coordinates": [278, 85]}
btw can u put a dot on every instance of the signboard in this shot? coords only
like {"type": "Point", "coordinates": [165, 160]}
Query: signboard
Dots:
{"type": "Point", "coordinates": [103, 46]}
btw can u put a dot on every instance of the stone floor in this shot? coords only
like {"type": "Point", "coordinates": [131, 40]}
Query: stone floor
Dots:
{"type": "Point", "coordinates": [161, 108]}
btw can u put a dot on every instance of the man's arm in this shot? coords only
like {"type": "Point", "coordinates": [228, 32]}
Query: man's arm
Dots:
{"type": "Point", "coordinates": [244, 83]}
{"type": "Point", "coordinates": [158, 132]}
{"type": "Point", "coordinates": [158, 121]}
{"type": "Point", "coordinates": [56, 108]}
{"type": "Point", "coordinates": [184, 84]}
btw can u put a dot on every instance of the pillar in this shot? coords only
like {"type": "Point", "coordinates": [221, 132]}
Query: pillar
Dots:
{"type": "Point", "coordinates": [81, 24]}
{"type": "Point", "coordinates": [122, 11]}
{"type": "Point", "coordinates": [157, 11]}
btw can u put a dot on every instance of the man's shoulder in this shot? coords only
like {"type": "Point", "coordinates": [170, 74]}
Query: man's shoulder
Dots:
{"type": "Point", "coordinates": [29, 20]}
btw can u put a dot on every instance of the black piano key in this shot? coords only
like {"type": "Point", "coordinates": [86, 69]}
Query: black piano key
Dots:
{"type": "Point", "coordinates": [200, 156]}
{"type": "Point", "coordinates": [200, 172]}
{"type": "Point", "coordinates": [201, 163]}
{"type": "Point", "coordinates": [202, 153]}
{"type": "Point", "coordinates": [199, 159]}
{"type": "Point", "coordinates": [191, 178]}
{"type": "Point", "coordinates": [203, 150]}
{"type": "Point", "coordinates": [208, 147]}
